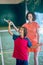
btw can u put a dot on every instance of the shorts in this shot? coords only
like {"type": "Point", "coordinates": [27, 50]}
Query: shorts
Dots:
{"type": "Point", "coordinates": [21, 62]}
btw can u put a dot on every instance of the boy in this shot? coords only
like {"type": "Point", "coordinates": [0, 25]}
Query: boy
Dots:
{"type": "Point", "coordinates": [20, 46]}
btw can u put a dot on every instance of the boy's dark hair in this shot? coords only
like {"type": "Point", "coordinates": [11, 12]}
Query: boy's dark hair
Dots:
{"type": "Point", "coordinates": [25, 31]}
{"type": "Point", "coordinates": [34, 16]}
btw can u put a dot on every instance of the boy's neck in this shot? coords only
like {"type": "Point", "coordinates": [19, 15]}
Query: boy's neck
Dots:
{"type": "Point", "coordinates": [22, 36]}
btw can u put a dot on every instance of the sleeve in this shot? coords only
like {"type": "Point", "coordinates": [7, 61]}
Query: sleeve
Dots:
{"type": "Point", "coordinates": [29, 43]}
{"type": "Point", "coordinates": [37, 25]}
{"type": "Point", "coordinates": [15, 36]}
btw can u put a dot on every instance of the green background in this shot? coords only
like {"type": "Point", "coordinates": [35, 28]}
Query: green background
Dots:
{"type": "Point", "coordinates": [16, 12]}
{"type": "Point", "coordinates": [13, 12]}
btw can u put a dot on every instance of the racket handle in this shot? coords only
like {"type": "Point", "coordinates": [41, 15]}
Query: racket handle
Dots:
{"type": "Point", "coordinates": [14, 27]}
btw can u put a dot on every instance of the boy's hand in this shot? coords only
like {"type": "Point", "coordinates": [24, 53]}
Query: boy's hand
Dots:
{"type": "Point", "coordinates": [9, 22]}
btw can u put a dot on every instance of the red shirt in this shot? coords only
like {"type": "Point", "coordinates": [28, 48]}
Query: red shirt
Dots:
{"type": "Point", "coordinates": [20, 48]}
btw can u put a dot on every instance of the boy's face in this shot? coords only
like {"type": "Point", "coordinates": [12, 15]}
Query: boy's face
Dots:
{"type": "Point", "coordinates": [21, 31]}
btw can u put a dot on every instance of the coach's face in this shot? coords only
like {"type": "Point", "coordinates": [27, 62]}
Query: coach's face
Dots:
{"type": "Point", "coordinates": [30, 17]}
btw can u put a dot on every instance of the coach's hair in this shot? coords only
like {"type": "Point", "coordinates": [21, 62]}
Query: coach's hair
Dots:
{"type": "Point", "coordinates": [34, 16]}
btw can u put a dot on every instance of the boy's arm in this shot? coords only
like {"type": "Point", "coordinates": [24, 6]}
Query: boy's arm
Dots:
{"type": "Point", "coordinates": [13, 25]}
{"type": "Point", "coordinates": [11, 33]}
{"type": "Point", "coordinates": [9, 29]}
